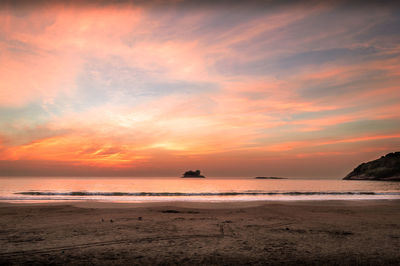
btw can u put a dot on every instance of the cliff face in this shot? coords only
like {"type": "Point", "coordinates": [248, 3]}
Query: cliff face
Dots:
{"type": "Point", "coordinates": [385, 168]}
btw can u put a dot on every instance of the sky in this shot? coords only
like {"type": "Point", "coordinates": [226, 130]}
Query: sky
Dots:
{"type": "Point", "coordinates": [154, 88]}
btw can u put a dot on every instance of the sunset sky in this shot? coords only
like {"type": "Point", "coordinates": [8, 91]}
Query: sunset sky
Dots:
{"type": "Point", "coordinates": [94, 88]}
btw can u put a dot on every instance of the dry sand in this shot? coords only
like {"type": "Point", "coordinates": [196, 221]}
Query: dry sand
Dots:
{"type": "Point", "coordinates": [263, 233]}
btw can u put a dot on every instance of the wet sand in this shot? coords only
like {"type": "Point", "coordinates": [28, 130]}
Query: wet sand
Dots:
{"type": "Point", "coordinates": [259, 233]}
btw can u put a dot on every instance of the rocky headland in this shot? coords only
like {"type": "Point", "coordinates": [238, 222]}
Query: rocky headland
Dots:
{"type": "Point", "coordinates": [385, 168]}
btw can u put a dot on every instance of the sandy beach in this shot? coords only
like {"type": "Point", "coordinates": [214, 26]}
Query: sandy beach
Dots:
{"type": "Point", "coordinates": [259, 233]}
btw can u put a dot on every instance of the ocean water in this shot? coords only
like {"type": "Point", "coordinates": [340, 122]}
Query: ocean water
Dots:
{"type": "Point", "coordinates": [46, 189]}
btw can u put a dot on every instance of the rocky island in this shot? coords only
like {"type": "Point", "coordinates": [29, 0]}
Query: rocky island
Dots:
{"type": "Point", "coordinates": [385, 168]}
{"type": "Point", "coordinates": [269, 177]}
{"type": "Point", "coordinates": [193, 174]}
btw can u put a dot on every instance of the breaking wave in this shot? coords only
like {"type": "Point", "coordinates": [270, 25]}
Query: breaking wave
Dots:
{"type": "Point", "coordinates": [184, 194]}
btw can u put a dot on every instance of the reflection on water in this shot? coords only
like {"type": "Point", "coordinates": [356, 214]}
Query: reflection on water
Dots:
{"type": "Point", "coordinates": [177, 189]}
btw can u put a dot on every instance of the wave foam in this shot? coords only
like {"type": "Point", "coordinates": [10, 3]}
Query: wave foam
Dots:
{"type": "Point", "coordinates": [177, 194]}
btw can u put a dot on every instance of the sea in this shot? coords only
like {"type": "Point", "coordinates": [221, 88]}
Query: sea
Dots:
{"type": "Point", "coordinates": [139, 190]}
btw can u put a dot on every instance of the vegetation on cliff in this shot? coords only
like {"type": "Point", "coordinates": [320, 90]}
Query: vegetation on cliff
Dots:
{"type": "Point", "coordinates": [385, 168]}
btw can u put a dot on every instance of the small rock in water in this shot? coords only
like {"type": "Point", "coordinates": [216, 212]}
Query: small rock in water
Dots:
{"type": "Point", "coordinates": [139, 218]}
